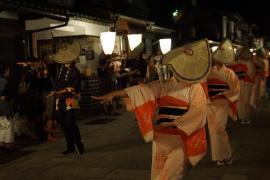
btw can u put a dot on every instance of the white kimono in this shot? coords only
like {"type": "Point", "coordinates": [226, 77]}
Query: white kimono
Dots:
{"type": "Point", "coordinates": [256, 88]}
{"type": "Point", "coordinates": [6, 130]}
{"type": "Point", "coordinates": [264, 76]}
{"type": "Point", "coordinates": [245, 70]}
{"type": "Point", "coordinates": [175, 146]}
{"type": "Point", "coordinates": [224, 89]}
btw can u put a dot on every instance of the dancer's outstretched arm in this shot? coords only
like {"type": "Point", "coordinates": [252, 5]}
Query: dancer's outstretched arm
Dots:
{"type": "Point", "coordinates": [109, 97]}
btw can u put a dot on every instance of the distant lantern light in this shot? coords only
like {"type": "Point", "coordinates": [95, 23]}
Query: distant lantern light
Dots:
{"type": "Point", "coordinates": [251, 50]}
{"type": "Point", "coordinates": [177, 15]}
{"type": "Point", "coordinates": [107, 41]}
{"type": "Point", "coordinates": [165, 45]}
{"type": "Point", "coordinates": [254, 54]}
{"type": "Point", "coordinates": [234, 49]}
{"type": "Point", "coordinates": [134, 40]}
{"type": "Point", "coordinates": [214, 48]}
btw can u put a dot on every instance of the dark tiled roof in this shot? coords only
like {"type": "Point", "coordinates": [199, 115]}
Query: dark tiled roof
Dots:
{"type": "Point", "coordinates": [52, 11]}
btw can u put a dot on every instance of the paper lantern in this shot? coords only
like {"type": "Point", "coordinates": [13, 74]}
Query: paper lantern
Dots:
{"type": "Point", "coordinates": [107, 41]}
{"type": "Point", "coordinates": [134, 40]}
{"type": "Point", "coordinates": [165, 45]}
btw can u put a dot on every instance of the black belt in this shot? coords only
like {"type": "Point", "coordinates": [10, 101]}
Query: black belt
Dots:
{"type": "Point", "coordinates": [213, 93]}
{"type": "Point", "coordinates": [212, 86]}
{"type": "Point", "coordinates": [172, 111]}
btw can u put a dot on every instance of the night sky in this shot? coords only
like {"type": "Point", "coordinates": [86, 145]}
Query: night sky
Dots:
{"type": "Point", "coordinates": [255, 12]}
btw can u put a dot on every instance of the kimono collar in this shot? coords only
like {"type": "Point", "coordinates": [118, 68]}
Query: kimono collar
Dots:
{"type": "Point", "coordinates": [218, 68]}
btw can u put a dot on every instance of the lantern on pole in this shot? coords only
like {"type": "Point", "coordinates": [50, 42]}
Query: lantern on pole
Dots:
{"type": "Point", "coordinates": [134, 40]}
{"type": "Point", "coordinates": [107, 42]}
{"type": "Point", "coordinates": [165, 45]}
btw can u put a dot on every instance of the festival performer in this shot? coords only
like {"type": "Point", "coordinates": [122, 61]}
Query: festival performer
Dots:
{"type": "Point", "coordinates": [245, 71]}
{"type": "Point", "coordinates": [256, 88]}
{"type": "Point", "coordinates": [224, 89]}
{"type": "Point", "coordinates": [178, 134]}
{"type": "Point", "coordinates": [67, 88]}
{"type": "Point", "coordinates": [262, 56]}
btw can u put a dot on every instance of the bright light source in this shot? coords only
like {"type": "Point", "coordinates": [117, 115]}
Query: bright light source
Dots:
{"type": "Point", "coordinates": [254, 54]}
{"type": "Point", "coordinates": [165, 45]}
{"type": "Point", "coordinates": [176, 13]}
{"type": "Point", "coordinates": [251, 50]}
{"type": "Point", "coordinates": [214, 48]}
{"type": "Point", "coordinates": [234, 49]}
{"type": "Point", "coordinates": [107, 41]}
{"type": "Point", "coordinates": [134, 40]}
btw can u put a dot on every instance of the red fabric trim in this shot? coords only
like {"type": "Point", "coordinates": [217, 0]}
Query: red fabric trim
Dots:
{"type": "Point", "coordinates": [239, 67]}
{"type": "Point", "coordinates": [144, 114]}
{"type": "Point", "coordinates": [248, 79]}
{"type": "Point", "coordinates": [205, 88]}
{"type": "Point", "coordinates": [265, 74]}
{"type": "Point", "coordinates": [215, 81]}
{"type": "Point", "coordinates": [195, 143]}
{"type": "Point", "coordinates": [233, 106]}
{"type": "Point", "coordinates": [262, 74]}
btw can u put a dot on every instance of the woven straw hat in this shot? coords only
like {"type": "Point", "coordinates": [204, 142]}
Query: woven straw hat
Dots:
{"type": "Point", "coordinates": [245, 54]}
{"type": "Point", "coordinates": [68, 54]}
{"type": "Point", "coordinates": [224, 53]}
{"type": "Point", "coordinates": [190, 63]}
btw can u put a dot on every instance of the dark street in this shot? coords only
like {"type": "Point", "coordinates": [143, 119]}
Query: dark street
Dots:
{"type": "Point", "coordinates": [115, 150]}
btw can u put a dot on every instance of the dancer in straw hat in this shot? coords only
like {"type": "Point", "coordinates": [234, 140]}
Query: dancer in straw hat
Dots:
{"type": "Point", "coordinates": [260, 74]}
{"type": "Point", "coordinates": [262, 56]}
{"type": "Point", "coordinates": [66, 93]}
{"type": "Point", "coordinates": [245, 70]}
{"type": "Point", "coordinates": [178, 133]}
{"type": "Point", "coordinates": [224, 89]}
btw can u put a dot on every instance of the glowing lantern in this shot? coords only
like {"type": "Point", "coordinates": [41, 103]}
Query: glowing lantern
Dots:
{"type": "Point", "coordinates": [134, 40]}
{"type": "Point", "coordinates": [107, 41]}
{"type": "Point", "coordinates": [165, 45]}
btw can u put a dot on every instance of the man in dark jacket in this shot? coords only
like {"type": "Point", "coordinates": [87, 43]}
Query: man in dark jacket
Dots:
{"type": "Point", "coordinates": [67, 89]}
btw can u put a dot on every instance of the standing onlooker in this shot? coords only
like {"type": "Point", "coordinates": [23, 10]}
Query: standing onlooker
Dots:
{"type": "Point", "coordinates": [138, 68]}
{"type": "Point", "coordinates": [6, 111]}
{"type": "Point", "coordinates": [151, 73]}
{"type": "Point", "coordinates": [108, 80]}
{"type": "Point", "coordinates": [30, 98]}
{"type": "Point", "coordinates": [123, 76]}
{"type": "Point", "coordinates": [46, 78]}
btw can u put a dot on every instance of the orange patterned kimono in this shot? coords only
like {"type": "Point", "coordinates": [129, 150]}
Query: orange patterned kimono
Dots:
{"type": "Point", "coordinates": [174, 146]}
{"type": "Point", "coordinates": [264, 75]}
{"type": "Point", "coordinates": [256, 88]}
{"type": "Point", "coordinates": [245, 71]}
{"type": "Point", "coordinates": [224, 89]}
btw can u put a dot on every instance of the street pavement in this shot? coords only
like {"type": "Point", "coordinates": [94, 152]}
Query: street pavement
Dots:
{"type": "Point", "coordinates": [115, 150]}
